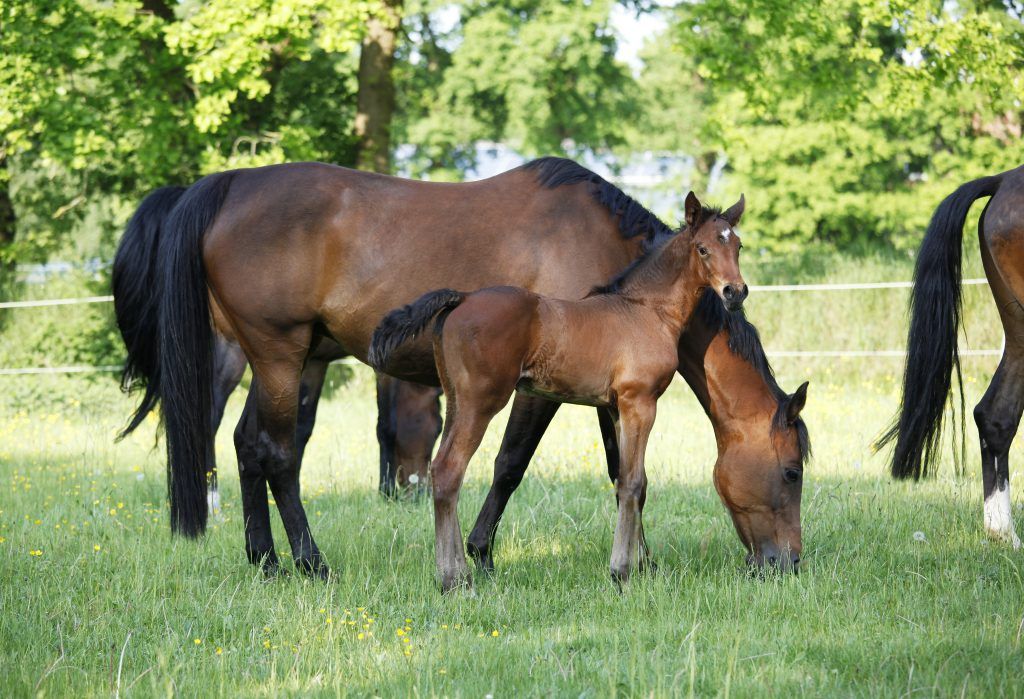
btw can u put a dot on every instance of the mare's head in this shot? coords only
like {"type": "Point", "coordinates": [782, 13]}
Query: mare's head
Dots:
{"type": "Point", "coordinates": [716, 249]}
{"type": "Point", "coordinates": [759, 477]}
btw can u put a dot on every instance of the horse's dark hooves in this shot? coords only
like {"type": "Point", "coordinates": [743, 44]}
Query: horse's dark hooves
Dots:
{"type": "Point", "coordinates": [313, 567]}
{"type": "Point", "coordinates": [456, 582]}
{"type": "Point", "coordinates": [481, 557]}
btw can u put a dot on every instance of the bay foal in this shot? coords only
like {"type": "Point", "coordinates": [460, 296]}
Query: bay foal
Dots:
{"type": "Point", "coordinates": [616, 348]}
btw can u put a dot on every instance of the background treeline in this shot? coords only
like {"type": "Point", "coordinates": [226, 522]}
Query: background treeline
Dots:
{"type": "Point", "coordinates": [845, 122]}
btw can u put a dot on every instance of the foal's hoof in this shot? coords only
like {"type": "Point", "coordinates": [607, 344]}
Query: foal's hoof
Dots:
{"type": "Point", "coordinates": [455, 581]}
{"type": "Point", "coordinates": [313, 567]}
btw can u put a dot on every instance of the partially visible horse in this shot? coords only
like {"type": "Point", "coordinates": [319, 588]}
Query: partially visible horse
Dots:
{"type": "Point", "coordinates": [615, 349]}
{"type": "Point", "coordinates": [304, 259]}
{"type": "Point", "coordinates": [932, 354]}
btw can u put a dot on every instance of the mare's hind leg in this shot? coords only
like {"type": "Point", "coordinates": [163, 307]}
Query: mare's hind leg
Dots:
{"type": "Point", "coordinates": [527, 423]}
{"type": "Point", "coordinates": [259, 543]}
{"type": "Point", "coordinates": [999, 412]}
{"type": "Point", "coordinates": [228, 366]}
{"type": "Point", "coordinates": [311, 385]}
{"type": "Point", "coordinates": [386, 435]}
{"type": "Point", "coordinates": [606, 420]}
{"type": "Point", "coordinates": [277, 369]}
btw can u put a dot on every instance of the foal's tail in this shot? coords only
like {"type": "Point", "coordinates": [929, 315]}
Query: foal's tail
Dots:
{"type": "Point", "coordinates": [405, 323]}
{"type": "Point", "coordinates": [932, 354]}
{"type": "Point", "coordinates": [185, 339]}
{"type": "Point", "coordinates": [136, 298]}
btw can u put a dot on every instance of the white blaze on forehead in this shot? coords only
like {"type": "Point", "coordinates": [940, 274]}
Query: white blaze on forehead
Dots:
{"type": "Point", "coordinates": [999, 516]}
{"type": "Point", "coordinates": [724, 235]}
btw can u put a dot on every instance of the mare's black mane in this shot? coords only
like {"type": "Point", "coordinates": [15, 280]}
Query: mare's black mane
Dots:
{"type": "Point", "coordinates": [636, 220]}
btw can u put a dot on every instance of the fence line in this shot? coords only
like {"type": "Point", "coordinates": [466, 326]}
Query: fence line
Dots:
{"type": "Point", "coordinates": [771, 288]}
{"type": "Point", "coordinates": [55, 302]}
{"type": "Point", "coordinates": [352, 361]}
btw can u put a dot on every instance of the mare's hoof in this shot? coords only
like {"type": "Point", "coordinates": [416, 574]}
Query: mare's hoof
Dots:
{"type": "Point", "coordinates": [313, 567]}
{"type": "Point", "coordinates": [620, 576]}
{"type": "Point", "coordinates": [482, 557]}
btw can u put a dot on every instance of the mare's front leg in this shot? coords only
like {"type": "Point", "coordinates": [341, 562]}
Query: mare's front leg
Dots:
{"type": "Point", "coordinates": [606, 420]}
{"type": "Point", "coordinates": [636, 414]}
{"type": "Point", "coordinates": [527, 423]}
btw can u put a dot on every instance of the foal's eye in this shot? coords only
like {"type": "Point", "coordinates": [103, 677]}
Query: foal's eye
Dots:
{"type": "Point", "coordinates": [791, 475]}
{"type": "Point", "coordinates": [702, 250]}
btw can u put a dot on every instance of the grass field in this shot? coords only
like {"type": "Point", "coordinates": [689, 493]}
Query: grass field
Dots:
{"type": "Point", "coordinates": [899, 592]}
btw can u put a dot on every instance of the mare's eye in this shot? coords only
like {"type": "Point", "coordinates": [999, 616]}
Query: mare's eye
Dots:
{"type": "Point", "coordinates": [791, 475]}
{"type": "Point", "coordinates": [703, 251]}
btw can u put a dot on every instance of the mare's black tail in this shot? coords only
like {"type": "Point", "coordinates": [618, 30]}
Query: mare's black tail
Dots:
{"type": "Point", "coordinates": [932, 354]}
{"type": "Point", "coordinates": [186, 351]}
{"type": "Point", "coordinates": [405, 323]}
{"type": "Point", "coordinates": [136, 298]}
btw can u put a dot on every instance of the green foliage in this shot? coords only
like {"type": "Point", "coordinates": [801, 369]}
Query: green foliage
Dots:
{"type": "Point", "coordinates": [538, 74]}
{"type": "Point", "coordinates": [847, 122]}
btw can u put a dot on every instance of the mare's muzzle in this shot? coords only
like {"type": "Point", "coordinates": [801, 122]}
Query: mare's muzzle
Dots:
{"type": "Point", "coordinates": [771, 558]}
{"type": "Point", "coordinates": [734, 295]}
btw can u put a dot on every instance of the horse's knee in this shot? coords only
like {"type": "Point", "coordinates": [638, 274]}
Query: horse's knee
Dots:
{"type": "Point", "coordinates": [994, 427]}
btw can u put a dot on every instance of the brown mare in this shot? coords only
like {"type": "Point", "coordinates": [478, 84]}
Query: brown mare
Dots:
{"type": "Point", "coordinates": [409, 418]}
{"type": "Point", "coordinates": [304, 259]}
{"type": "Point", "coordinates": [932, 341]}
{"type": "Point", "coordinates": [615, 349]}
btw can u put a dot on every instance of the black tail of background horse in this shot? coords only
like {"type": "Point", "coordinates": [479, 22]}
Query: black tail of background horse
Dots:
{"type": "Point", "coordinates": [932, 354]}
{"type": "Point", "coordinates": [135, 298]}
{"type": "Point", "coordinates": [407, 322]}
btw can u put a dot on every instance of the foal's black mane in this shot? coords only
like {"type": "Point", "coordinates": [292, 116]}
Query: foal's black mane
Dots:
{"type": "Point", "coordinates": [635, 220]}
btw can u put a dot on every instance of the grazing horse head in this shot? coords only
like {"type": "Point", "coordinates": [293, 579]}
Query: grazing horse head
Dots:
{"type": "Point", "coordinates": [717, 245]}
{"type": "Point", "coordinates": [759, 476]}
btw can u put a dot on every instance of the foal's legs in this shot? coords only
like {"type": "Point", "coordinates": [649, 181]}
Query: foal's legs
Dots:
{"type": "Point", "coordinates": [469, 413]}
{"type": "Point", "coordinates": [635, 420]}
{"type": "Point", "coordinates": [606, 419]}
{"type": "Point", "coordinates": [529, 419]}
{"type": "Point", "coordinates": [999, 412]}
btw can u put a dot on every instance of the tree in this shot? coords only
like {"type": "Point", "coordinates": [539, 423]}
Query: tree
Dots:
{"type": "Point", "coordinates": [847, 122]}
{"type": "Point", "coordinates": [377, 89]}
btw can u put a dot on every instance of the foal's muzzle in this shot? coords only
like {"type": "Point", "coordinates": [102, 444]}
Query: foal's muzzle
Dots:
{"type": "Point", "coordinates": [734, 294]}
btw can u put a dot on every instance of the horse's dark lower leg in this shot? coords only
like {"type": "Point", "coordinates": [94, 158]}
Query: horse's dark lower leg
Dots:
{"type": "Point", "coordinates": [228, 366]}
{"type": "Point", "coordinates": [386, 435]}
{"type": "Point", "coordinates": [998, 416]}
{"type": "Point", "coordinates": [259, 543]}
{"type": "Point", "coordinates": [527, 423]}
{"type": "Point", "coordinates": [310, 388]}
{"type": "Point", "coordinates": [277, 417]}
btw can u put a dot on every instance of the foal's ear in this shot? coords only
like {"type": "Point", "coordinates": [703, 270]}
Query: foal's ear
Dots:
{"type": "Point", "coordinates": [692, 210]}
{"type": "Point", "coordinates": [795, 403]}
{"type": "Point", "coordinates": [735, 212]}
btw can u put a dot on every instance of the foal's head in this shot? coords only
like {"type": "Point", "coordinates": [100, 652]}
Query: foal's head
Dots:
{"type": "Point", "coordinates": [716, 249]}
{"type": "Point", "coordinates": [759, 476]}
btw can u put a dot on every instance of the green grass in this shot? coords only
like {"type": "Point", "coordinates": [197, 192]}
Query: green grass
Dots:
{"type": "Point", "coordinates": [874, 612]}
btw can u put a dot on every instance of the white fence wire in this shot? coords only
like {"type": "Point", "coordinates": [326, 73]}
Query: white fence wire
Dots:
{"type": "Point", "coordinates": [775, 288]}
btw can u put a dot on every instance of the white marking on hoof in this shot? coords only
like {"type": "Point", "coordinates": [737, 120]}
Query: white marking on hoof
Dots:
{"type": "Point", "coordinates": [999, 516]}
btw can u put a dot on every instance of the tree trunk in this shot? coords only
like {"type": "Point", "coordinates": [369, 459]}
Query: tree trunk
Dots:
{"type": "Point", "coordinates": [376, 102]}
